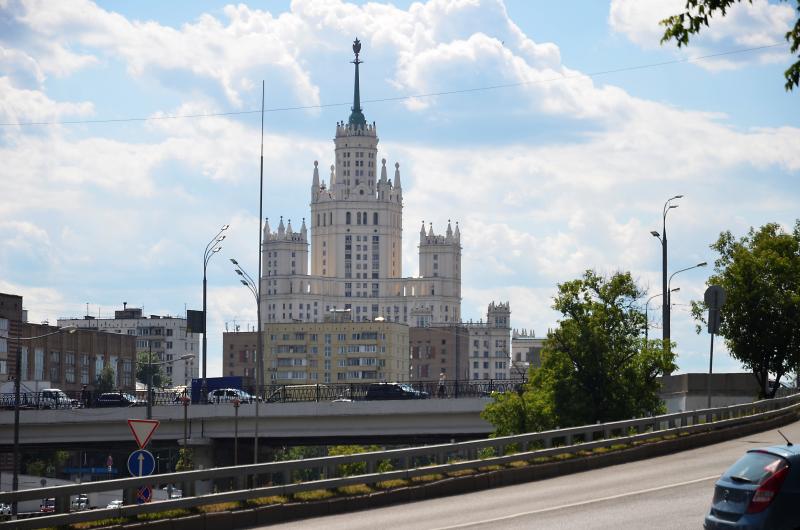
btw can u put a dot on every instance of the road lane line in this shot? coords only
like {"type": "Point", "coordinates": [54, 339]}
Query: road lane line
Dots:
{"type": "Point", "coordinates": [575, 504]}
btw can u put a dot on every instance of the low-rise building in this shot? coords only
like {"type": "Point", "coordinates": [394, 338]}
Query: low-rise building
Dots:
{"type": "Point", "coordinates": [166, 336]}
{"type": "Point", "coordinates": [66, 360]}
{"type": "Point", "coordinates": [239, 355]}
{"type": "Point", "coordinates": [11, 318]}
{"type": "Point", "coordinates": [335, 351]}
{"type": "Point", "coordinates": [437, 349]}
{"type": "Point", "coordinates": [489, 344]}
{"type": "Point", "coordinates": [526, 351]}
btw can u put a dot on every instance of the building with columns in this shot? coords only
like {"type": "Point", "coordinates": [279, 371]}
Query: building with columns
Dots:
{"type": "Point", "coordinates": [354, 236]}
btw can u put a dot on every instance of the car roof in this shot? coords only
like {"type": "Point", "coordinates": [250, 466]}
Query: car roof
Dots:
{"type": "Point", "coordinates": [789, 452]}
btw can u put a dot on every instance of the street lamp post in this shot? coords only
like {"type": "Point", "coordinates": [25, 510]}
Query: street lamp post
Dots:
{"type": "Point", "coordinates": [253, 287]}
{"type": "Point", "coordinates": [17, 383]}
{"type": "Point", "coordinates": [236, 432]}
{"type": "Point", "coordinates": [647, 314]}
{"type": "Point", "coordinates": [669, 282]}
{"type": "Point", "coordinates": [211, 249]}
{"type": "Point", "coordinates": [664, 288]}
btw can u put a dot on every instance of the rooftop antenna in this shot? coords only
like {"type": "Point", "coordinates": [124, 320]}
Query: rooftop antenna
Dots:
{"type": "Point", "coordinates": [785, 438]}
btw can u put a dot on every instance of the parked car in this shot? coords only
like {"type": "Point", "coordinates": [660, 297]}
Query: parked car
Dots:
{"type": "Point", "coordinates": [53, 398]}
{"type": "Point", "coordinates": [227, 395]}
{"type": "Point", "coordinates": [116, 503]}
{"type": "Point", "coordinates": [376, 391]}
{"type": "Point", "coordinates": [760, 491]}
{"type": "Point", "coordinates": [119, 399]}
{"type": "Point", "coordinates": [80, 503]}
{"type": "Point", "coordinates": [47, 505]}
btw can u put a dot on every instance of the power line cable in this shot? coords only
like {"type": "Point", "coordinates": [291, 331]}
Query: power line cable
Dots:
{"type": "Point", "coordinates": [401, 98]}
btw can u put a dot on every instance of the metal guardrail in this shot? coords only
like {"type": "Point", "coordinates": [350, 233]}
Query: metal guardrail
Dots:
{"type": "Point", "coordinates": [274, 393]}
{"type": "Point", "coordinates": [278, 477]}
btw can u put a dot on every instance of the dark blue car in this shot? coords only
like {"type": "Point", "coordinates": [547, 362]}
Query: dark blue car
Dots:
{"type": "Point", "coordinates": [760, 491]}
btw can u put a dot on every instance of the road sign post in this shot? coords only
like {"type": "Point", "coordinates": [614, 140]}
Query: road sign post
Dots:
{"type": "Point", "coordinates": [714, 298]}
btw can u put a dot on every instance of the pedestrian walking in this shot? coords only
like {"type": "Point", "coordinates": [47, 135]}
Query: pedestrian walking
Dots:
{"type": "Point", "coordinates": [442, 378]}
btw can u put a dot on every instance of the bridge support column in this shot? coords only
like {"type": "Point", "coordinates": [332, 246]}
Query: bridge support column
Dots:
{"type": "Point", "coordinates": [203, 456]}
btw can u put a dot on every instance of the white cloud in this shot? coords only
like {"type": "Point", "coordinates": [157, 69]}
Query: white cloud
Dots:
{"type": "Point", "coordinates": [746, 25]}
{"type": "Point", "coordinates": [23, 105]}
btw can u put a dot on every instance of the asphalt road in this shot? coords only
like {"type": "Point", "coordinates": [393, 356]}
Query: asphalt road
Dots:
{"type": "Point", "coordinates": [670, 492]}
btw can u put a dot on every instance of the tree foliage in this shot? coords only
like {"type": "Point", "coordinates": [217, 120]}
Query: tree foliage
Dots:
{"type": "Point", "coordinates": [143, 369]}
{"type": "Point", "coordinates": [595, 365]}
{"type": "Point", "coordinates": [761, 317]}
{"type": "Point", "coordinates": [185, 460]}
{"type": "Point", "coordinates": [106, 381]}
{"type": "Point", "coordinates": [691, 22]}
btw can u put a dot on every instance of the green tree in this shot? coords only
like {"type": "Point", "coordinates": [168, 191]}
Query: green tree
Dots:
{"type": "Point", "coordinates": [106, 381]}
{"type": "Point", "coordinates": [144, 367]}
{"type": "Point", "coordinates": [595, 365]}
{"type": "Point", "coordinates": [761, 274]}
{"type": "Point", "coordinates": [185, 460]}
{"type": "Point", "coordinates": [354, 468]}
{"type": "Point", "coordinates": [691, 22]}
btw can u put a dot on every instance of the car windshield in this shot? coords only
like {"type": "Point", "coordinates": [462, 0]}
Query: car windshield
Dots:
{"type": "Point", "coordinates": [754, 467]}
{"type": "Point", "coordinates": [129, 397]}
{"type": "Point", "coordinates": [407, 388]}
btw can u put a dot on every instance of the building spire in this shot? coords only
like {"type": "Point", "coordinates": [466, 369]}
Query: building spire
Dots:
{"type": "Point", "coordinates": [356, 116]}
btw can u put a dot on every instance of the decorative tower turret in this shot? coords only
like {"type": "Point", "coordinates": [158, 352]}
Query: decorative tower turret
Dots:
{"type": "Point", "coordinates": [356, 226]}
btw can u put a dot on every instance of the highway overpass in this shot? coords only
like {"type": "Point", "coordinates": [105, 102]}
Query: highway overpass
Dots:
{"type": "Point", "coordinates": [278, 423]}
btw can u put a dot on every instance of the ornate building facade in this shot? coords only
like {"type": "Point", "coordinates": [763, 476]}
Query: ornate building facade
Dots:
{"type": "Point", "coordinates": [355, 239]}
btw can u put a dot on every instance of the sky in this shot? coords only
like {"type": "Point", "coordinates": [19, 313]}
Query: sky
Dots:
{"type": "Point", "coordinates": [582, 127]}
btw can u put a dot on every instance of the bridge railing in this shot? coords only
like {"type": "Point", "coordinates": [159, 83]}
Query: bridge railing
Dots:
{"type": "Point", "coordinates": [289, 477]}
{"type": "Point", "coordinates": [274, 393]}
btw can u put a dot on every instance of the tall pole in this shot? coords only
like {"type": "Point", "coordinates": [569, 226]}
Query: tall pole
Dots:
{"type": "Point", "coordinates": [149, 379]}
{"type": "Point", "coordinates": [203, 386]}
{"type": "Point", "coordinates": [665, 314]}
{"type": "Point", "coordinates": [211, 249]}
{"type": "Point", "coordinates": [17, 377]}
{"type": "Point", "coordinates": [662, 237]}
{"type": "Point", "coordinates": [260, 345]}
{"type": "Point", "coordinates": [710, 370]}
{"type": "Point", "coordinates": [17, 385]}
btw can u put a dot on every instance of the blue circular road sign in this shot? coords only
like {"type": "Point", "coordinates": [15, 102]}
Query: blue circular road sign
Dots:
{"type": "Point", "coordinates": [141, 463]}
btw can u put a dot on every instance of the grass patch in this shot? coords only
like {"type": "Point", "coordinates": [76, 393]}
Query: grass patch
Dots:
{"type": "Point", "coordinates": [166, 514]}
{"type": "Point", "coordinates": [517, 464]}
{"type": "Point", "coordinates": [267, 501]}
{"type": "Point", "coordinates": [461, 473]}
{"type": "Point", "coordinates": [684, 433]}
{"type": "Point", "coordinates": [564, 456]}
{"type": "Point", "coordinates": [670, 436]}
{"type": "Point", "coordinates": [313, 495]}
{"type": "Point", "coordinates": [100, 522]}
{"type": "Point", "coordinates": [619, 447]}
{"type": "Point", "coordinates": [541, 460]}
{"type": "Point", "coordinates": [585, 452]}
{"type": "Point", "coordinates": [433, 477]}
{"type": "Point", "coordinates": [601, 450]}
{"type": "Point", "coordinates": [395, 483]}
{"type": "Point", "coordinates": [355, 489]}
{"type": "Point", "coordinates": [219, 507]}
{"type": "Point", "coordinates": [484, 469]}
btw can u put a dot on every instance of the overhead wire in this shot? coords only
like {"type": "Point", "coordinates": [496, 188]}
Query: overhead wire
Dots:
{"type": "Point", "coordinates": [397, 98]}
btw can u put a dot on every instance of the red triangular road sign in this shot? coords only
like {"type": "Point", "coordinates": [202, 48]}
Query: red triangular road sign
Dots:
{"type": "Point", "coordinates": [142, 430]}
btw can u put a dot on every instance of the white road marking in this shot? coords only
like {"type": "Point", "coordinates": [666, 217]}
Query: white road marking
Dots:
{"type": "Point", "coordinates": [574, 504]}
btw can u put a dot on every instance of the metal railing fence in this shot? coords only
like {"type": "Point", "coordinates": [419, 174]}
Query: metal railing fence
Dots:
{"type": "Point", "coordinates": [281, 478]}
{"type": "Point", "coordinates": [271, 393]}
